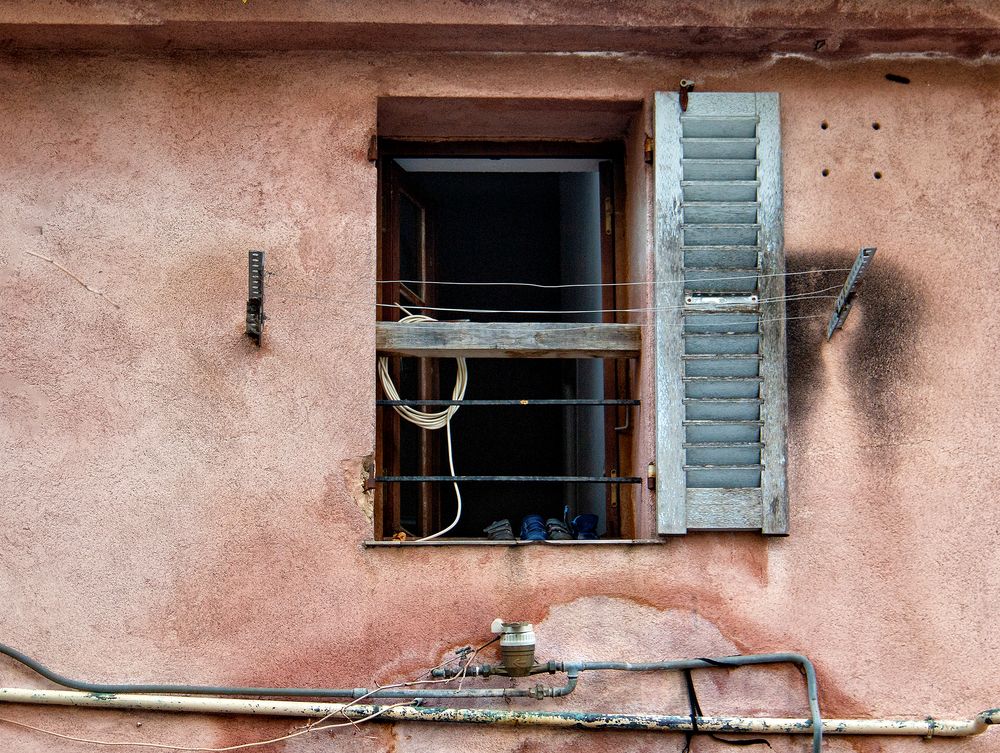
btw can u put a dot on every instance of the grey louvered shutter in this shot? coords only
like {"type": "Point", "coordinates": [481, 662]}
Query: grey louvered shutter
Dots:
{"type": "Point", "coordinates": [720, 331]}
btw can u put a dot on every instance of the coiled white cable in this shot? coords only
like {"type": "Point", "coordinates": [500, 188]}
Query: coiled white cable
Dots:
{"type": "Point", "coordinates": [430, 420]}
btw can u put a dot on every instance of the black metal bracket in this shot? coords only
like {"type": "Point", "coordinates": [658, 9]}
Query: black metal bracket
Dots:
{"type": "Point", "coordinates": [846, 298]}
{"type": "Point", "coordinates": [255, 296]}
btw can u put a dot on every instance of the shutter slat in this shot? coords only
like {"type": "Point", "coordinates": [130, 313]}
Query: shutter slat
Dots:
{"type": "Point", "coordinates": [719, 148]}
{"type": "Point", "coordinates": [719, 169]}
{"type": "Point", "coordinates": [720, 279]}
{"type": "Point", "coordinates": [722, 431]}
{"type": "Point", "coordinates": [718, 127]}
{"type": "Point", "coordinates": [723, 477]}
{"type": "Point", "coordinates": [722, 453]}
{"type": "Point", "coordinates": [730, 365]}
{"type": "Point", "coordinates": [722, 409]}
{"type": "Point", "coordinates": [744, 234]}
{"type": "Point", "coordinates": [721, 387]}
{"type": "Point", "coordinates": [719, 190]}
{"type": "Point", "coordinates": [724, 256]}
{"type": "Point", "coordinates": [743, 323]}
{"type": "Point", "coordinates": [722, 344]}
{"type": "Point", "coordinates": [719, 212]}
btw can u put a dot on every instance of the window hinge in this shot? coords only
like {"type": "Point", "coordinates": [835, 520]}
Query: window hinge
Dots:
{"type": "Point", "coordinates": [608, 215]}
{"type": "Point", "coordinates": [647, 150]}
{"type": "Point", "coordinates": [651, 476]}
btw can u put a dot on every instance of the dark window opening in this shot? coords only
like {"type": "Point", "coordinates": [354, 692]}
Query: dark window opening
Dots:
{"type": "Point", "coordinates": [546, 221]}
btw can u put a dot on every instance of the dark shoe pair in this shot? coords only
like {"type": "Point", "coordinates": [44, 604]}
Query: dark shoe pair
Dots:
{"type": "Point", "coordinates": [499, 530]}
{"type": "Point", "coordinates": [536, 528]}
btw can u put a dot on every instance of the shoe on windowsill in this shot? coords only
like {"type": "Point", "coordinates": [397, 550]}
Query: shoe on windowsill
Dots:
{"type": "Point", "coordinates": [533, 528]}
{"type": "Point", "coordinates": [585, 526]}
{"type": "Point", "coordinates": [557, 530]}
{"type": "Point", "coordinates": [499, 530]}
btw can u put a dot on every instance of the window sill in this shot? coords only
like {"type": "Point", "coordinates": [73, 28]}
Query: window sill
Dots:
{"type": "Point", "coordinates": [375, 544]}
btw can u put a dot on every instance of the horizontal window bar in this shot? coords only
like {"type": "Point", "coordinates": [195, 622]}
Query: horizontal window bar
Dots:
{"type": "Point", "coordinates": [509, 402]}
{"type": "Point", "coordinates": [516, 479]}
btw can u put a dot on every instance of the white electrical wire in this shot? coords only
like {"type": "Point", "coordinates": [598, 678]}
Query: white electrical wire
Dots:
{"type": "Point", "coordinates": [430, 420]}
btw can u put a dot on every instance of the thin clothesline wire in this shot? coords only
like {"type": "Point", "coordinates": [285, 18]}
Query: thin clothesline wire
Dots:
{"type": "Point", "coordinates": [645, 283]}
{"type": "Point", "coordinates": [793, 297]}
{"type": "Point", "coordinates": [584, 326]}
{"type": "Point", "coordinates": [641, 310]}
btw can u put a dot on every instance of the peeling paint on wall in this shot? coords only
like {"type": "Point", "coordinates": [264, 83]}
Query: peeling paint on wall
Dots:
{"type": "Point", "coordinates": [356, 472]}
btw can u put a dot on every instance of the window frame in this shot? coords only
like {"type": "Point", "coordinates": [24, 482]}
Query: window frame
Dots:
{"type": "Point", "coordinates": [618, 420]}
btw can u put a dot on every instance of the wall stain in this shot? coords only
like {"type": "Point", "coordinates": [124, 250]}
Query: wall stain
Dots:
{"type": "Point", "coordinates": [881, 335]}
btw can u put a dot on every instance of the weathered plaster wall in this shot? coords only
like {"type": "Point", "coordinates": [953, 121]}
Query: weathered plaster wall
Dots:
{"type": "Point", "coordinates": [180, 506]}
{"type": "Point", "coordinates": [757, 28]}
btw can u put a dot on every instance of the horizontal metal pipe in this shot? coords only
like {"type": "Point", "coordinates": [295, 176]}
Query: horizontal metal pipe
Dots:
{"type": "Point", "coordinates": [539, 691]}
{"type": "Point", "coordinates": [570, 719]}
{"type": "Point", "coordinates": [675, 665]}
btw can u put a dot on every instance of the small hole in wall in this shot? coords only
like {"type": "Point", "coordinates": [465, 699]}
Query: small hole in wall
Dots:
{"type": "Point", "coordinates": [824, 125]}
{"type": "Point", "coordinates": [825, 172]}
{"type": "Point", "coordinates": [876, 126]}
{"type": "Point", "coordinates": [878, 175]}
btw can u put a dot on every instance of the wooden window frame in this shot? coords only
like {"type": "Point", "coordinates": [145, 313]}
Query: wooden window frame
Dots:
{"type": "Point", "coordinates": [608, 340]}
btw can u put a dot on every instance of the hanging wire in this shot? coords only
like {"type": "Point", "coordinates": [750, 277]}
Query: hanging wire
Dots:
{"type": "Point", "coordinates": [820, 293]}
{"type": "Point", "coordinates": [643, 283]}
{"type": "Point", "coordinates": [430, 420]}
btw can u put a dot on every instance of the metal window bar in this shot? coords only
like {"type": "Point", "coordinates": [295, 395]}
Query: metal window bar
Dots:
{"type": "Point", "coordinates": [511, 479]}
{"type": "Point", "coordinates": [527, 402]}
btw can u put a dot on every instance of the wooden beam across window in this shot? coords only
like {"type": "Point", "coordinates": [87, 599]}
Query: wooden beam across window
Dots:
{"type": "Point", "coordinates": [508, 339]}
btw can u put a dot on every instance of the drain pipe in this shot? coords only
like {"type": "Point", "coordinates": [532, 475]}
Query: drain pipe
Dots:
{"type": "Point", "coordinates": [560, 719]}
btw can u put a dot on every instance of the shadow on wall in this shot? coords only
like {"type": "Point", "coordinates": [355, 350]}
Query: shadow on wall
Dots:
{"type": "Point", "coordinates": [878, 341]}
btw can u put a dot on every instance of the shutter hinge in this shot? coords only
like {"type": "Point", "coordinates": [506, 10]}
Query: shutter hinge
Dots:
{"type": "Point", "coordinates": [685, 88]}
{"type": "Point", "coordinates": [647, 150]}
{"type": "Point", "coordinates": [651, 476]}
{"type": "Point", "coordinates": [608, 215]}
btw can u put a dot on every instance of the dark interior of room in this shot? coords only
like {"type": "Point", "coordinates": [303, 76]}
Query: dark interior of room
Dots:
{"type": "Point", "coordinates": [509, 227]}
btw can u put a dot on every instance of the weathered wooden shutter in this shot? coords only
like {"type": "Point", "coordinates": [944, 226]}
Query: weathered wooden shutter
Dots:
{"type": "Point", "coordinates": [720, 331]}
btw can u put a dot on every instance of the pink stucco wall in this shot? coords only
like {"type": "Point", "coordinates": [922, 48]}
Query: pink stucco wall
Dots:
{"type": "Point", "coordinates": [180, 506]}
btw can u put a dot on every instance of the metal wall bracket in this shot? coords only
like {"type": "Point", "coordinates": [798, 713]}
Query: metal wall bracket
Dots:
{"type": "Point", "coordinates": [846, 298]}
{"type": "Point", "coordinates": [255, 296]}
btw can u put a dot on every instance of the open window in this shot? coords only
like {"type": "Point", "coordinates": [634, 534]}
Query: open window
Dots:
{"type": "Point", "coordinates": [486, 212]}
{"type": "Point", "coordinates": [512, 248]}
